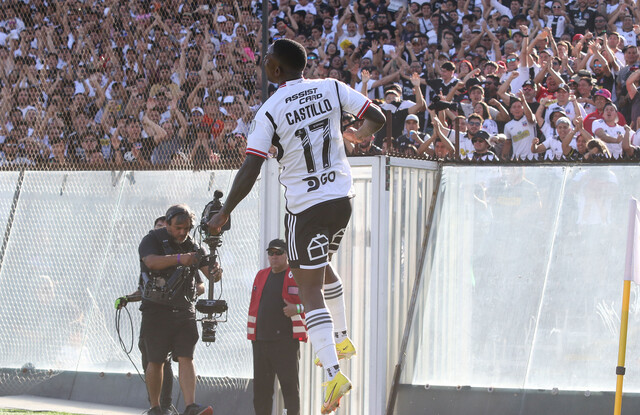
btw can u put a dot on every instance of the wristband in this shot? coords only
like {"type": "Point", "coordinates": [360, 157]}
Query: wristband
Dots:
{"type": "Point", "coordinates": [178, 258]}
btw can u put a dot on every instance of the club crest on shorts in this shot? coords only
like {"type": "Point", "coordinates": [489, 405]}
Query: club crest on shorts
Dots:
{"type": "Point", "coordinates": [252, 126]}
{"type": "Point", "coordinates": [318, 247]}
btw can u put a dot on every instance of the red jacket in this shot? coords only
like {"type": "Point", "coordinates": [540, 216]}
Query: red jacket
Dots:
{"type": "Point", "coordinates": [289, 294]}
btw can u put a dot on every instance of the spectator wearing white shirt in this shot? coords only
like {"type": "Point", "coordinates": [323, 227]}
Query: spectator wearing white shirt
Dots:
{"type": "Point", "coordinates": [306, 6]}
{"type": "Point", "coordinates": [520, 131]}
{"type": "Point", "coordinates": [567, 102]}
{"type": "Point", "coordinates": [608, 130]}
{"type": "Point", "coordinates": [513, 10]}
{"type": "Point", "coordinates": [558, 19]}
{"type": "Point", "coordinates": [622, 22]}
{"type": "Point", "coordinates": [552, 146]}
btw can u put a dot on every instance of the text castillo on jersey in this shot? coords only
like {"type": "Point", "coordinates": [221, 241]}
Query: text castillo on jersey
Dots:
{"type": "Point", "coordinates": [309, 111]}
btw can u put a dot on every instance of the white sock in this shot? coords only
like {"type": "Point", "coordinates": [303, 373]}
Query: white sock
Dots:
{"type": "Point", "coordinates": [334, 299]}
{"type": "Point", "coordinates": [320, 329]}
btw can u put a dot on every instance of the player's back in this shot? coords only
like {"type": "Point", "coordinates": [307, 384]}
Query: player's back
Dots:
{"type": "Point", "coordinates": [302, 120]}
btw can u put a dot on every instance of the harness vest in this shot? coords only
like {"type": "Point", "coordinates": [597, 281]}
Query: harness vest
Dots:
{"type": "Point", "coordinates": [170, 287]}
{"type": "Point", "coordinates": [289, 294]}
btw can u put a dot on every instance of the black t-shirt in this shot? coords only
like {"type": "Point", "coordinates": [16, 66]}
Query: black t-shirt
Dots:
{"type": "Point", "coordinates": [438, 86]}
{"type": "Point", "coordinates": [397, 125]}
{"type": "Point", "coordinates": [574, 155]}
{"type": "Point", "coordinates": [605, 82]}
{"type": "Point", "coordinates": [154, 244]}
{"type": "Point", "coordinates": [582, 20]}
{"type": "Point", "coordinates": [272, 324]}
{"type": "Point", "coordinates": [407, 90]}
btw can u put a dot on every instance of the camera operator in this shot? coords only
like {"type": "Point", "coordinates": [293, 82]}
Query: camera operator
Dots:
{"type": "Point", "coordinates": [169, 262]}
{"type": "Point", "coordinates": [167, 372]}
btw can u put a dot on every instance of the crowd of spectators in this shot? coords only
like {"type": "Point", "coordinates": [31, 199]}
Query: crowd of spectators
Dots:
{"type": "Point", "coordinates": [112, 84]}
{"type": "Point", "coordinates": [115, 84]}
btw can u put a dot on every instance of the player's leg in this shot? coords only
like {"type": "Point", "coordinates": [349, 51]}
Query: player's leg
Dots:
{"type": "Point", "coordinates": [307, 249]}
{"type": "Point", "coordinates": [333, 290]}
{"type": "Point", "coordinates": [318, 318]}
{"type": "Point", "coordinates": [337, 214]}
{"type": "Point", "coordinates": [334, 297]}
{"type": "Point", "coordinates": [308, 240]}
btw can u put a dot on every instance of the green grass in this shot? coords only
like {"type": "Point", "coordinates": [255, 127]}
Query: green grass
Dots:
{"type": "Point", "coordinates": [23, 412]}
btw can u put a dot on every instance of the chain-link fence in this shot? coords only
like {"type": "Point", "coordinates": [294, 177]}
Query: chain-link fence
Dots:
{"type": "Point", "coordinates": [108, 84]}
{"type": "Point", "coordinates": [71, 249]}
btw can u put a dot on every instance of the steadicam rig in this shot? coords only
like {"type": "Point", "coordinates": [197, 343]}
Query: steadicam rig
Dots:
{"type": "Point", "coordinates": [215, 309]}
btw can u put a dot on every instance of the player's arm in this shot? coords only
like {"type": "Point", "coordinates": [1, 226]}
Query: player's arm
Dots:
{"type": "Point", "coordinates": [242, 185]}
{"type": "Point", "coordinates": [374, 119]}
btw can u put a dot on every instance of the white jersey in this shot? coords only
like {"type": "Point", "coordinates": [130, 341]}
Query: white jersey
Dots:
{"type": "Point", "coordinates": [554, 149]}
{"type": "Point", "coordinates": [521, 133]}
{"type": "Point", "coordinates": [466, 146]}
{"type": "Point", "coordinates": [518, 82]}
{"type": "Point", "coordinates": [568, 109]}
{"type": "Point", "coordinates": [614, 148]}
{"type": "Point", "coordinates": [630, 37]}
{"type": "Point", "coordinates": [302, 119]}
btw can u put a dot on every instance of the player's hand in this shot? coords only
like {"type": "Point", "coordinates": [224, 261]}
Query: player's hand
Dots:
{"type": "Point", "coordinates": [289, 309]}
{"type": "Point", "coordinates": [217, 222]}
{"type": "Point", "coordinates": [121, 302]}
{"type": "Point", "coordinates": [350, 135]}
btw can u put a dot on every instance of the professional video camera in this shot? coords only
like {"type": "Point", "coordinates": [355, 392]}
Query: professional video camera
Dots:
{"type": "Point", "coordinates": [438, 105]}
{"type": "Point", "coordinates": [215, 309]}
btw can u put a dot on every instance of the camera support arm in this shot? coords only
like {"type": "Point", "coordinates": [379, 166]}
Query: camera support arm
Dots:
{"type": "Point", "coordinates": [213, 308]}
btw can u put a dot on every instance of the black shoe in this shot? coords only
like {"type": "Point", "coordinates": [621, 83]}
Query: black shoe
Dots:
{"type": "Point", "coordinates": [154, 411]}
{"type": "Point", "coordinates": [170, 410]}
{"type": "Point", "coordinates": [195, 409]}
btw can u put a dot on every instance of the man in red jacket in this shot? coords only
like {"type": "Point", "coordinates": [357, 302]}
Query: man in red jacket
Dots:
{"type": "Point", "coordinates": [276, 327]}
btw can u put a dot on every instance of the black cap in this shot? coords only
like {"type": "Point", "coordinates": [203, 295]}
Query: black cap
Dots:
{"type": "Point", "coordinates": [394, 88]}
{"type": "Point", "coordinates": [529, 83]}
{"type": "Point", "coordinates": [483, 135]}
{"type": "Point", "coordinates": [473, 81]}
{"type": "Point", "coordinates": [277, 244]}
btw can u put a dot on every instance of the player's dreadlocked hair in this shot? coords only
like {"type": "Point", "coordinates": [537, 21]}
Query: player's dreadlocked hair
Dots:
{"type": "Point", "coordinates": [290, 54]}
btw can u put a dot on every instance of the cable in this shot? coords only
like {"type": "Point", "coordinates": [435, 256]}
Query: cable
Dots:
{"type": "Point", "coordinates": [121, 341]}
